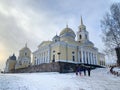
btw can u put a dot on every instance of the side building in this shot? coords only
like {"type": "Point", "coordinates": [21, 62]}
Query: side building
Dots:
{"type": "Point", "coordinates": [23, 61]}
{"type": "Point", "coordinates": [10, 63]}
{"type": "Point", "coordinates": [24, 58]}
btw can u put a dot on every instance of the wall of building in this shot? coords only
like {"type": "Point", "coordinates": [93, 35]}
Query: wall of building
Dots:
{"type": "Point", "coordinates": [10, 65]}
{"type": "Point", "coordinates": [101, 59]}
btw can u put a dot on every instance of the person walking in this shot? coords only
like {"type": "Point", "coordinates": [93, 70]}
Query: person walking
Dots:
{"type": "Point", "coordinates": [89, 69]}
{"type": "Point", "coordinates": [80, 70]}
{"type": "Point", "coordinates": [84, 69]}
{"type": "Point", "coordinates": [77, 70]}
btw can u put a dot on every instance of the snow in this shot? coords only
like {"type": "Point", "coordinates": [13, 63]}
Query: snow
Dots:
{"type": "Point", "coordinates": [100, 79]}
{"type": "Point", "coordinates": [117, 69]}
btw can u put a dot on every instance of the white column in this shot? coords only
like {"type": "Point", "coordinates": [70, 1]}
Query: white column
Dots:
{"type": "Point", "coordinates": [48, 56]}
{"type": "Point", "coordinates": [91, 58]}
{"type": "Point", "coordinates": [38, 59]}
{"type": "Point", "coordinates": [82, 56]}
{"type": "Point", "coordinates": [78, 56]}
{"type": "Point", "coordinates": [80, 59]}
{"type": "Point", "coordinates": [42, 57]}
{"type": "Point", "coordinates": [85, 56]}
{"type": "Point", "coordinates": [88, 58]}
{"type": "Point", "coordinates": [96, 59]}
{"type": "Point", "coordinates": [45, 57]}
{"type": "Point", "coordinates": [87, 53]}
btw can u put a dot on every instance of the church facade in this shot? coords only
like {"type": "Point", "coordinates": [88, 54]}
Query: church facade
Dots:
{"type": "Point", "coordinates": [24, 58]}
{"type": "Point", "coordinates": [64, 47]}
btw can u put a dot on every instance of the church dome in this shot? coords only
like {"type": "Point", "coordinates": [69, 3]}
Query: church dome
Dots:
{"type": "Point", "coordinates": [13, 57]}
{"type": "Point", "coordinates": [56, 38]}
{"type": "Point", "coordinates": [25, 52]}
{"type": "Point", "coordinates": [25, 49]}
{"type": "Point", "coordinates": [67, 32]}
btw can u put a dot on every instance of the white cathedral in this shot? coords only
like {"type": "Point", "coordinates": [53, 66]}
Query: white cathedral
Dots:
{"type": "Point", "coordinates": [65, 48]}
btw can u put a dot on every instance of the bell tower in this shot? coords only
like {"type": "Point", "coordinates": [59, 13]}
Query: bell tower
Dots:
{"type": "Point", "coordinates": [82, 34]}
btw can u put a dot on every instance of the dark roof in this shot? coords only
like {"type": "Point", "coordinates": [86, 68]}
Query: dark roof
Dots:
{"type": "Point", "coordinates": [13, 57]}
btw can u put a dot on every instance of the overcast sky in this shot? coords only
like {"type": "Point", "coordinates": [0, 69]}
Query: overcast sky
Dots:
{"type": "Point", "coordinates": [34, 21]}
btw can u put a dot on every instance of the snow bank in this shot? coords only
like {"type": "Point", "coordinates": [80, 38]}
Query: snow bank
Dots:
{"type": "Point", "coordinates": [117, 69]}
{"type": "Point", "coordinates": [100, 79]}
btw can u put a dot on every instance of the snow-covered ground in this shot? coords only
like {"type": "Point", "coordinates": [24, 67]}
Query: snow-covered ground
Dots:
{"type": "Point", "coordinates": [100, 79]}
{"type": "Point", "coordinates": [117, 69]}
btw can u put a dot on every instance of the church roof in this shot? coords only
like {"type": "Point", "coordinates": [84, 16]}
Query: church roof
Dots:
{"type": "Point", "coordinates": [88, 43]}
{"type": "Point", "coordinates": [13, 57]}
{"type": "Point", "coordinates": [82, 26]}
{"type": "Point", "coordinates": [56, 36]}
{"type": "Point", "coordinates": [67, 30]}
{"type": "Point", "coordinates": [45, 43]}
{"type": "Point", "coordinates": [25, 48]}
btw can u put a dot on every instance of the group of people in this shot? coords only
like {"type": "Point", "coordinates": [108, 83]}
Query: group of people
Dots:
{"type": "Point", "coordinates": [114, 72]}
{"type": "Point", "coordinates": [80, 69]}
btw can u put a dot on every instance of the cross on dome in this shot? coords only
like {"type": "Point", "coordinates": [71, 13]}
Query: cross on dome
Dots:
{"type": "Point", "coordinates": [26, 45]}
{"type": "Point", "coordinates": [81, 21]}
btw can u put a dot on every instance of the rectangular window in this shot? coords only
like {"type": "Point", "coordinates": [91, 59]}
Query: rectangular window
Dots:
{"type": "Point", "coordinates": [73, 58]}
{"type": "Point", "coordinates": [53, 58]}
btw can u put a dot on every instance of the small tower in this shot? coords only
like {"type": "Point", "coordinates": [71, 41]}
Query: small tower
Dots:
{"type": "Point", "coordinates": [82, 34]}
{"type": "Point", "coordinates": [56, 38]}
{"type": "Point", "coordinates": [10, 64]}
{"type": "Point", "coordinates": [24, 58]}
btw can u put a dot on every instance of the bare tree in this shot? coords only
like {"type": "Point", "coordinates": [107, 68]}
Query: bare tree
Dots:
{"type": "Point", "coordinates": [111, 29]}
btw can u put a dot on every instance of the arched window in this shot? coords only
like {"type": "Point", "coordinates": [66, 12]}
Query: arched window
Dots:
{"type": "Point", "coordinates": [53, 58]}
{"type": "Point", "coordinates": [73, 52]}
{"type": "Point", "coordinates": [25, 54]}
{"type": "Point", "coordinates": [55, 40]}
{"type": "Point", "coordinates": [80, 36]}
{"type": "Point", "coordinates": [73, 58]}
{"type": "Point", "coordinates": [85, 36]}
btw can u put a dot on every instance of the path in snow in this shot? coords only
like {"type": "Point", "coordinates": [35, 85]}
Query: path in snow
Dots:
{"type": "Point", "coordinates": [100, 80]}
